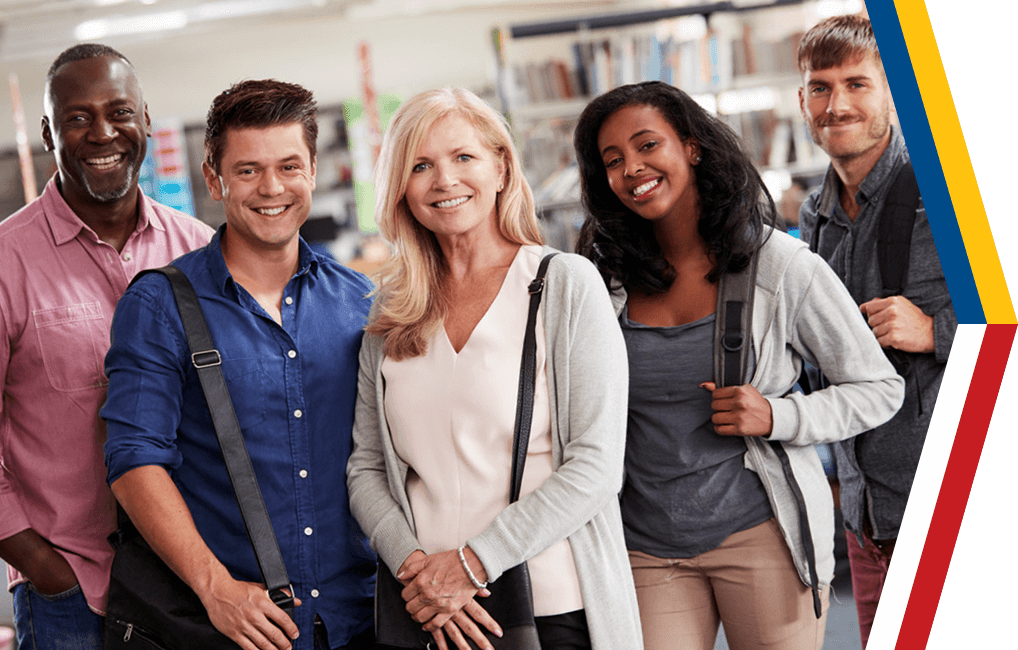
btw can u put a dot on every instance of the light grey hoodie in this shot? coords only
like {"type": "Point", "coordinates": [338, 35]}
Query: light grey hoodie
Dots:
{"type": "Point", "coordinates": [803, 311]}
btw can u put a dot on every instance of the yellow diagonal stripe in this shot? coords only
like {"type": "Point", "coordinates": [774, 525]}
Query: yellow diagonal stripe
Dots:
{"type": "Point", "coordinates": [955, 161]}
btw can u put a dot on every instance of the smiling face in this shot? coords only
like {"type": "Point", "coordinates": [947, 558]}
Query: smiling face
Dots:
{"type": "Point", "coordinates": [648, 165]}
{"type": "Point", "coordinates": [265, 179]}
{"type": "Point", "coordinates": [847, 108]}
{"type": "Point", "coordinates": [455, 180]}
{"type": "Point", "coordinates": [96, 124]}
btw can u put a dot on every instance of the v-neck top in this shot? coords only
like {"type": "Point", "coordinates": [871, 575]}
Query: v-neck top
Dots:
{"type": "Point", "coordinates": [451, 417]}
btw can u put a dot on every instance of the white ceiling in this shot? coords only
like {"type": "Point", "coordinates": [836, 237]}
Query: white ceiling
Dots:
{"type": "Point", "coordinates": [43, 28]}
{"type": "Point", "coordinates": [36, 28]}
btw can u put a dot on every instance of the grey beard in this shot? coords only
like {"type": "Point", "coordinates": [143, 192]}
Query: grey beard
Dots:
{"type": "Point", "coordinates": [117, 193]}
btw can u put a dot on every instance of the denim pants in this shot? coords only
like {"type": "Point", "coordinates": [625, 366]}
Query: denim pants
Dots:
{"type": "Point", "coordinates": [59, 622]}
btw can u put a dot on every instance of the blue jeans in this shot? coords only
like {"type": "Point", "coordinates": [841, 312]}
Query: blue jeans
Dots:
{"type": "Point", "coordinates": [59, 622]}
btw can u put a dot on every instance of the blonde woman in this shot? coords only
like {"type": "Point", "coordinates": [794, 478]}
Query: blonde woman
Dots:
{"type": "Point", "coordinates": [440, 364]}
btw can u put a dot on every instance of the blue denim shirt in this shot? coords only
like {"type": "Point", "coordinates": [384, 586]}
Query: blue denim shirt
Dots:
{"type": "Point", "coordinates": [293, 388]}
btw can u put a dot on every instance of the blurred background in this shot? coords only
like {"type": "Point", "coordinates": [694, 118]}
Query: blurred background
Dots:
{"type": "Point", "coordinates": [538, 62]}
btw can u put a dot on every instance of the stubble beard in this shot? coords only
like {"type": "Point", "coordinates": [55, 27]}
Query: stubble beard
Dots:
{"type": "Point", "coordinates": [875, 134]}
{"type": "Point", "coordinates": [119, 192]}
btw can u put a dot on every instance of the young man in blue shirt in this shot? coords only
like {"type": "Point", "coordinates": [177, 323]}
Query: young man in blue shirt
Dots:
{"type": "Point", "coordinates": [287, 323]}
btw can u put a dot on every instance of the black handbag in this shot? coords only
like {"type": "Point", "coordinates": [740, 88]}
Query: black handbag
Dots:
{"type": "Point", "coordinates": [149, 605]}
{"type": "Point", "coordinates": [511, 602]}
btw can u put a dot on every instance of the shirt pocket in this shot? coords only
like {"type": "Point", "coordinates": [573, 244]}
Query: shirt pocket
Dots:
{"type": "Point", "coordinates": [73, 344]}
{"type": "Point", "coordinates": [247, 380]}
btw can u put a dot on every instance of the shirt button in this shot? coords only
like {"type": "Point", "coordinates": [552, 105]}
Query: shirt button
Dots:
{"type": "Point", "coordinates": [314, 593]}
{"type": "Point", "coordinates": [291, 354]}
{"type": "Point", "coordinates": [303, 473]}
{"type": "Point", "coordinates": [288, 300]}
{"type": "Point", "coordinates": [298, 413]}
{"type": "Point", "coordinates": [127, 257]}
{"type": "Point", "coordinates": [308, 531]}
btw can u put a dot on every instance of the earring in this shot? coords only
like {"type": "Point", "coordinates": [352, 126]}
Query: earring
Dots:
{"type": "Point", "coordinates": [501, 187]}
{"type": "Point", "coordinates": [697, 159]}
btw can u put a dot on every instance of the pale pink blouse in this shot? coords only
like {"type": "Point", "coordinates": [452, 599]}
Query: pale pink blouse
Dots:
{"type": "Point", "coordinates": [451, 417]}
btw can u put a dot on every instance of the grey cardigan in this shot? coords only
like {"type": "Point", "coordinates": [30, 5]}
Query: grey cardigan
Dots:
{"type": "Point", "coordinates": [803, 311]}
{"type": "Point", "coordinates": [588, 391]}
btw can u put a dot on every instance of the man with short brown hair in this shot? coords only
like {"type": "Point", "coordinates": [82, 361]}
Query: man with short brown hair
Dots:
{"type": "Point", "coordinates": [850, 222]}
{"type": "Point", "coordinates": [287, 323]}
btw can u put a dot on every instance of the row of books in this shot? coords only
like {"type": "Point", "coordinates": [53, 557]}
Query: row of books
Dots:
{"type": "Point", "coordinates": [709, 64]}
{"type": "Point", "coordinates": [750, 56]}
{"type": "Point", "coordinates": [777, 142]}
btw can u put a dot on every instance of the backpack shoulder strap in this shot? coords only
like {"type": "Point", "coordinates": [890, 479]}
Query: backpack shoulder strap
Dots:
{"type": "Point", "coordinates": [894, 233]}
{"type": "Point", "coordinates": [733, 321]}
{"type": "Point", "coordinates": [732, 325]}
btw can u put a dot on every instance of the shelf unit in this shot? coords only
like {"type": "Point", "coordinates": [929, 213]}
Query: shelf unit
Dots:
{"type": "Point", "coordinates": [736, 58]}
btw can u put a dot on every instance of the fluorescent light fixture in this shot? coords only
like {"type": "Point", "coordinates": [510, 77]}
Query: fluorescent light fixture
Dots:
{"type": "Point", "coordinates": [829, 8]}
{"type": "Point", "coordinates": [235, 8]}
{"type": "Point", "coordinates": [96, 29]}
{"type": "Point", "coordinates": [170, 20]}
{"type": "Point", "coordinates": [746, 101]}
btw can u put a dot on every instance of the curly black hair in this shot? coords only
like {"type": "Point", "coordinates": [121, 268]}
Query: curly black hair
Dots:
{"type": "Point", "coordinates": [734, 203]}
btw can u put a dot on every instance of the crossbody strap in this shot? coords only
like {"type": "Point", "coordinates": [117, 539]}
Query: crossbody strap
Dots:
{"type": "Point", "coordinates": [528, 378]}
{"type": "Point", "coordinates": [207, 360]}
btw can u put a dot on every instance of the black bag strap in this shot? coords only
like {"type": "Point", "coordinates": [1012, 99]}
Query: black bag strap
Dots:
{"type": "Point", "coordinates": [894, 233]}
{"type": "Point", "coordinates": [207, 360]}
{"type": "Point", "coordinates": [732, 323]}
{"type": "Point", "coordinates": [528, 378]}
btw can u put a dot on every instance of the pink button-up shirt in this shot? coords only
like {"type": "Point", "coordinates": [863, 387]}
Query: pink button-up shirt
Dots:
{"type": "Point", "coordinates": [59, 285]}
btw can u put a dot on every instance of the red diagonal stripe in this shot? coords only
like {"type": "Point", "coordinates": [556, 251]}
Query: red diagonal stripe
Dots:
{"type": "Point", "coordinates": [955, 489]}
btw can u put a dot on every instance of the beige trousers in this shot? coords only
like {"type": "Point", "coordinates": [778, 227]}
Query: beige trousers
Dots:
{"type": "Point", "coordinates": [749, 584]}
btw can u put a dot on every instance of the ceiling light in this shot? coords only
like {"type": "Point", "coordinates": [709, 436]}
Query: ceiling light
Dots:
{"type": "Point", "coordinates": [96, 29]}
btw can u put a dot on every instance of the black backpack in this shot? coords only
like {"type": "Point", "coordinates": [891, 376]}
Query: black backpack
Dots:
{"type": "Point", "coordinates": [894, 232]}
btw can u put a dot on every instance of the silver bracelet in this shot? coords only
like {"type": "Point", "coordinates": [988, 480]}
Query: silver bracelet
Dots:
{"type": "Point", "coordinates": [470, 574]}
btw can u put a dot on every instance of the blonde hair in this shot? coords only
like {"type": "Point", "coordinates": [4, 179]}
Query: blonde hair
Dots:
{"type": "Point", "coordinates": [412, 304]}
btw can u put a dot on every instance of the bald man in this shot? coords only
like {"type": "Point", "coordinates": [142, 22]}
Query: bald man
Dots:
{"type": "Point", "coordinates": [65, 260]}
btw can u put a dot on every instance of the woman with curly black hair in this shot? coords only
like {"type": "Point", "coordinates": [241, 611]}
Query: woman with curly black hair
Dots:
{"type": "Point", "coordinates": [728, 516]}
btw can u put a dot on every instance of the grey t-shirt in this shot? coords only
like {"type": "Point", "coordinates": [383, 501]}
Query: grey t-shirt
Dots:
{"type": "Point", "coordinates": [686, 487]}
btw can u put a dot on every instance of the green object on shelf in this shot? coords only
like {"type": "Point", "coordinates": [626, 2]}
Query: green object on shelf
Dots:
{"type": "Point", "coordinates": [362, 154]}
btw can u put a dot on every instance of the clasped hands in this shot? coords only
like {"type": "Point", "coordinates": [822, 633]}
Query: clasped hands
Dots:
{"type": "Point", "coordinates": [440, 596]}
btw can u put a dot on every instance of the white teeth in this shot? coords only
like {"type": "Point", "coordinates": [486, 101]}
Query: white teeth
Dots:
{"type": "Point", "coordinates": [646, 187]}
{"type": "Point", "coordinates": [105, 162]}
{"type": "Point", "coordinates": [270, 212]}
{"type": "Point", "coordinates": [452, 203]}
